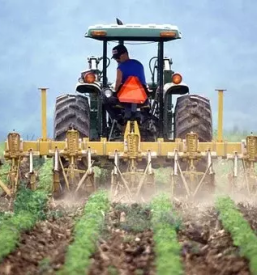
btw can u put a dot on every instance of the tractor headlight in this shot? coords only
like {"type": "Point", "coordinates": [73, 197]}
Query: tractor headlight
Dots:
{"type": "Point", "coordinates": [108, 92]}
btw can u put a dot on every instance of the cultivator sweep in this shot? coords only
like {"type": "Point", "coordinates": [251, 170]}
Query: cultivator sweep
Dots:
{"type": "Point", "coordinates": [114, 130]}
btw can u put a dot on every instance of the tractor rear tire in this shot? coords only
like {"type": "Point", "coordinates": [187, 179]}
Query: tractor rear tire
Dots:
{"type": "Point", "coordinates": [71, 111]}
{"type": "Point", "coordinates": [193, 114]}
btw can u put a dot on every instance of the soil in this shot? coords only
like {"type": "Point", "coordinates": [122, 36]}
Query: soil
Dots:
{"type": "Point", "coordinates": [127, 245]}
{"type": "Point", "coordinates": [250, 214]}
{"type": "Point", "coordinates": [6, 204]}
{"type": "Point", "coordinates": [42, 250]}
{"type": "Point", "coordinates": [206, 247]}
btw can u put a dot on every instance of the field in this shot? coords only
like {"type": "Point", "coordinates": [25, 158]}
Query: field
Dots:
{"type": "Point", "coordinates": [94, 235]}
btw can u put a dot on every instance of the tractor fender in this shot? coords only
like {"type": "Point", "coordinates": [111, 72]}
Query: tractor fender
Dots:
{"type": "Point", "coordinates": [175, 89]}
{"type": "Point", "coordinates": [88, 87]}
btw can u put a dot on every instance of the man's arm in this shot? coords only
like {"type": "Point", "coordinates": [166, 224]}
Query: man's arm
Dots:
{"type": "Point", "coordinates": [118, 80]}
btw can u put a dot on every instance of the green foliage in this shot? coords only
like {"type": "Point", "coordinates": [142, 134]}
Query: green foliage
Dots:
{"type": "Point", "coordinates": [101, 176]}
{"type": "Point", "coordinates": [5, 216]}
{"type": "Point", "coordinates": [29, 207]}
{"type": "Point", "coordinates": [167, 248]}
{"type": "Point", "coordinates": [44, 266]}
{"type": "Point", "coordinates": [3, 170]}
{"type": "Point", "coordinates": [240, 230]}
{"type": "Point", "coordinates": [1, 149]}
{"type": "Point", "coordinates": [139, 272]}
{"type": "Point", "coordinates": [137, 217]}
{"type": "Point", "coordinates": [86, 233]}
{"type": "Point", "coordinates": [39, 162]}
{"type": "Point", "coordinates": [112, 270]}
{"type": "Point", "coordinates": [163, 176]}
{"type": "Point", "coordinates": [33, 202]}
{"type": "Point", "coordinates": [234, 135]}
{"type": "Point", "coordinates": [10, 230]}
{"type": "Point", "coordinates": [45, 176]}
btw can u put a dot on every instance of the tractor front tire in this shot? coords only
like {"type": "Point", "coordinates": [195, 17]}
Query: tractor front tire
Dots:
{"type": "Point", "coordinates": [71, 112]}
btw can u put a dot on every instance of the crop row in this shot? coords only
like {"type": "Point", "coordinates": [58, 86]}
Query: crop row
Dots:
{"type": "Point", "coordinates": [165, 224]}
{"type": "Point", "coordinates": [91, 224]}
{"type": "Point", "coordinates": [86, 232]}
{"type": "Point", "coordinates": [243, 236]}
{"type": "Point", "coordinates": [29, 207]}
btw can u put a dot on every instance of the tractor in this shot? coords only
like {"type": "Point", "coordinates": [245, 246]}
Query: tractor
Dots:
{"type": "Point", "coordinates": [87, 112]}
{"type": "Point", "coordinates": [131, 132]}
{"type": "Point", "coordinates": [154, 119]}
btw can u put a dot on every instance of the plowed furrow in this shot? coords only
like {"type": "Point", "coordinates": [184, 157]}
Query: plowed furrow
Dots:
{"type": "Point", "coordinates": [42, 250]}
{"type": "Point", "coordinates": [206, 247]}
{"type": "Point", "coordinates": [250, 214]}
{"type": "Point", "coordinates": [126, 246]}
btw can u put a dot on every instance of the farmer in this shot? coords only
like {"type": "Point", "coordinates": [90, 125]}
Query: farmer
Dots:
{"type": "Point", "coordinates": [126, 67]}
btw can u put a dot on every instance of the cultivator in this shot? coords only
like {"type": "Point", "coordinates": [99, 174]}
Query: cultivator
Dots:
{"type": "Point", "coordinates": [130, 136]}
{"type": "Point", "coordinates": [132, 162]}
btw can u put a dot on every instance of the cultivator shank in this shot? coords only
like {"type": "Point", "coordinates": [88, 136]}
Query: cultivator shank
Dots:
{"type": "Point", "coordinates": [78, 172]}
{"type": "Point", "coordinates": [248, 158]}
{"type": "Point", "coordinates": [15, 153]}
{"type": "Point", "coordinates": [131, 180]}
{"type": "Point", "coordinates": [191, 166]}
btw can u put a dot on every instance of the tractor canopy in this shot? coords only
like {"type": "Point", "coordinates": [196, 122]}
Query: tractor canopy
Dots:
{"type": "Point", "coordinates": [134, 32]}
{"type": "Point", "coordinates": [151, 108]}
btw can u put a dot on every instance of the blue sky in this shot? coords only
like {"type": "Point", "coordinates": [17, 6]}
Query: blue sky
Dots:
{"type": "Point", "coordinates": [42, 44]}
